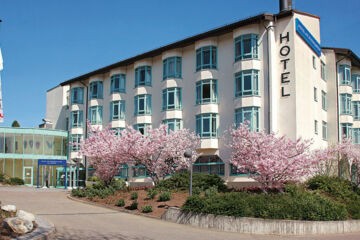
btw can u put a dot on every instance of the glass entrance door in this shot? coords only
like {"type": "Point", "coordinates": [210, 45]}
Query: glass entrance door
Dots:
{"type": "Point", "coordinates": [28, 176]}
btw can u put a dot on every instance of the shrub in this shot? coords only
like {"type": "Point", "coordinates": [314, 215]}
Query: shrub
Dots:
{"type": "Point", "coordinates": [147, 209]}
{"type": "Point", "coordinates": [118, 184]}
{"type": "Point", "coordinates": [120, 202]}
{"type": "Point", "coordinates": [181, 181]}
{"type": "Point", "coordinates": [78, 193]}
{"type": "Point", "coordinates": [340, 190]}
{"type": "Point", "coordinates": [197, 191]}
{"type": "Point", "coordinates": [16, 181]}
{"type": "Point", "coordinates": [99, 185]}
{"type": "Point", "coordinates": [151, 193]}
{"type": "Point", "coordinates": [2, 177]}
{"type": "Point", "coordinates": [134, 196]}
{"type": "Point", "coordinates": [212, 191]}
{"type": "Point", "coordinates": [300, 206]}
{"type": "Point", "coordinates": [133, 205]}
{"type": "Point", "coordinates": [164, 196]}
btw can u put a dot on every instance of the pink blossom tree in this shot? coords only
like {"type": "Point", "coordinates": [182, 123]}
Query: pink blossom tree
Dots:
{"type": "Point", "coordinates": [102, 149]}
{"type": "Point", "coordinates": [269, 159]}
{"type": "Point", "coordinates": [160, 152]}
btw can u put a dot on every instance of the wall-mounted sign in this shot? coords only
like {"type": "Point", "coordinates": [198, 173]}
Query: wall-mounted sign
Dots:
{"type": "Point", "coordinates": [52, 162]}
{"type": "Point", "coordinates": [308, 37]}
{"type": "Point", "coordinates": [284, 59]}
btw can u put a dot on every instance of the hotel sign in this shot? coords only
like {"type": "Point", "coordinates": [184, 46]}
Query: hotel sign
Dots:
{"type": "Point", "coordinates": [308, 37]}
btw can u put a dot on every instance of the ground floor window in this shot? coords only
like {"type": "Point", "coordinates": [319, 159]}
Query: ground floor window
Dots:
{"type": "Point", "coordinates": [210, 165]}
{"type": "Point", "coordinates": [173, 124]}
{"type": "Point", "coordinates": [140, 171]}
{"type": "Point", "coordinates": [234, 171]}
{"type": "Point", "coordinates": [123, 171]}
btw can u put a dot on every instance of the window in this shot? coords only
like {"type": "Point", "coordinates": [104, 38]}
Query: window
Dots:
{"type": "Point", "coordinates": [344, 72]}
{"type": "Point", "coordinates": [96, 90]}
{"type": "Point", "coordinates": [207, 125]}
{"type": "Point", "coordinates": [117, 130]}
{"type": "Point", "coordinates": [346, 130]}
{"type": "Point", "coordinates": [117, 110]}
{"type": "Point", "coordinates": [75, 141]}
{"type": "Point", "coordinates": [206, 91]}
{"type": "Point", "coordinates": [142, 104]}
{"type": "Point", "coordinates": [246, 47]}
{"type": "Point", "coordinates": [206, 58]}
{"type": "Point", "coordinates": [314, 62]}
{"type": "Point", "coordinates": [246, 83]}
{"type": "Point", "coordinates": [142, 127]}
{"type": "Point", "coordinates": [323, 100]}
{"type": "Point", "coordinates": [316, 127]}
{"type": "Point", "coordinates": [118, 83]}
{"type": "Point", "coordinates": [76, 119]}
{"type": "Point", "coordinates": [77, 95]}
{"type": "Point", "coordinates": [324, 130]}
{"type": "Point", "coordinates": [140, 171]}
{"type": "Point", "coordinates": [143, 76]}
{"type": "Point", "coordinates": [123, 171]}
{"type": "Point", "coordinates": [171, 99]}
{"type": "Point", "coordinates": [95, 115]}
{"type": "Point", "coordinates": [173, 124]}
{"type": "Point", "coordinates": [209, 165]}
{"type": "Point", "coordinates": [356, 135]}
{"type": "Point", "coordinates": [345, 103]}
{"type": "Point", "coordinates": [315, 94]}
{"type": "Point", "coordinates": [323, 76]}
{"type": "Point", "coordinates": [172, 67]}
{"type": "Point", "coordinates": [234, 171]}
{"type": "Point", "coordinates": [356, 110]}
{"type": "Point", "coordinates": [249, 115]}
{"type": "Point", "coordinates": [355, 80]}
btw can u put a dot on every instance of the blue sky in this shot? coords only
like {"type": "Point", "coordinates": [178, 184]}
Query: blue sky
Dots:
{"type": "Point", "coordinates": [47, 42]}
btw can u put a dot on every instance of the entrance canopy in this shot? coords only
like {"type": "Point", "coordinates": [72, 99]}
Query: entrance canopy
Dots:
{"type": "Point", "coordinates": [51, 162]}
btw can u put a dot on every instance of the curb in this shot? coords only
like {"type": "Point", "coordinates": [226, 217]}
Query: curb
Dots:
{"type": "Point", "coordinates": [45, 230]}
{"type": "Point", "coordinates": [112, 208]}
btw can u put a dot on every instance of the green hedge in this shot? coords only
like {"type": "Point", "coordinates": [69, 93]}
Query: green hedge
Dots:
{"type": "Point", "coordinates": [181, 181]}
{"type": "Point", "coordinates": [99, 189]}
{"type": "Point", "coordinates": [340, 190]}
{"type": "Point", "coordinates": [296, 206]}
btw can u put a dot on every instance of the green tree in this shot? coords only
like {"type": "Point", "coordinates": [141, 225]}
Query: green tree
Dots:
{"type": "Point", "coordinates": [15, 124]}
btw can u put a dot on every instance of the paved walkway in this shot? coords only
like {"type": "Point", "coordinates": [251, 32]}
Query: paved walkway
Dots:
{"type": "Point", "coordinates": [75, 220]}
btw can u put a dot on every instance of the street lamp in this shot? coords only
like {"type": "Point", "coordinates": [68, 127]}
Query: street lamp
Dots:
{"type": "Point", "coordinates": [188, 155]}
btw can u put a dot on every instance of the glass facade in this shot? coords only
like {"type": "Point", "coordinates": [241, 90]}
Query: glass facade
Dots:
{"type": "Point", "coordinates": [20, 149]}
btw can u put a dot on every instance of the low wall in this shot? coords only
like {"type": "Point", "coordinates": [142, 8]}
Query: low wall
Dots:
{"type": "Point", "coordinates": [258, 225]}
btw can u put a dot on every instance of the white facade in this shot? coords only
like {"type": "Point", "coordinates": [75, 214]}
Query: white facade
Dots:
{"type": "Point", "coordinates": [288, 72]}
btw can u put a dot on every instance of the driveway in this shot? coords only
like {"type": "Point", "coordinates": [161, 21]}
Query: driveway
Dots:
{"type": "Point", "coordinates": [75, 220]}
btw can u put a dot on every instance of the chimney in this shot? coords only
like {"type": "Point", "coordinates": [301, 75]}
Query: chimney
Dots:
{"type": "Point", "coordinates": [285, 5]}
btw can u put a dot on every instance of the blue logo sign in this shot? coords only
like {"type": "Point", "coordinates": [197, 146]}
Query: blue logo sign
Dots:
{"type": "Point", "coordinates": [51, 162]}
{"type": "Point", "coordinates": [308, 38]}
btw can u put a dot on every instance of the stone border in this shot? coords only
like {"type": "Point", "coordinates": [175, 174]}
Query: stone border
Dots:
{"type": "Point", "coordinates": [110, 207]}
{"type": "Point", "coordinates": [259, 225]}
{"type": "Point", "coordinates": [44, 230]}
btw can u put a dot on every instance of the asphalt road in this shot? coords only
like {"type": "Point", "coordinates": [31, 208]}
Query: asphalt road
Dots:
{"type": "Point", "coordinates": [75, 220]}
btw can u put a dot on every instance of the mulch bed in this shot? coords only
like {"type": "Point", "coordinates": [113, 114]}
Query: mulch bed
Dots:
{"type": "Point", "coordinates": [177, 200]}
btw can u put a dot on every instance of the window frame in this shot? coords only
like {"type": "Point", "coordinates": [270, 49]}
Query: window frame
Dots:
{"type": "Point", "coordinates": [323, 101]}
{"type": "Point", "coordinates": [99, 90]}
{"type": "Point", "coordinates": [121, 78]}
{"type": "Point", "coordinates": [348, 130]}
{"type": "Point", "coordinates": [356, 135]}
{"type": "Point", "coordinates": [324, 130]}
{"type": "Point", "coordinates": [240, 77]}
{"type": "Point", "coordinates": [239, 42]}
{"type": "Point", "coordinates": [79, 92]}
{"type": "Point", "coordinates": [200, 54]}
{"type": "Point", "coordinates": [177, 93]}
{"type": "Point", "coordinates": [176, 122]}
{"type": "Point", "coordinates": [315, 94]}
{"type": "Point", "coordinates": [345, 104]}
{"type": "Point", "coordinates": [199, 89]}
{"type": "Point", "coordinates": [355, 83]}
{"type": "Point", "coordinates": [147, 105]}
{"type": "Point", "coordinates": [199, 125]}
{"type": "Point", "coordinates": [78, 116]}
{"type": "Point", "coordinates": [177, 73]}
{"type": "Point", "coordinates": [240, 117]}
{"type": "Point", "coordinates": [147, 81]}
{"type": "Point", "coordinates": [98, 111]}
{"type": "Point", "coordinates": [316, 129]}
{"type": "Point", "coordinates": [77, 138]}
{"type": "Point", "coordinates": [199, 164]}
{"type": "Point", "coordinates": [120, 104]}
{"type": "Point", "coordinates": [356, 110]}
{"type": "Point", "coordinates": [345, 75]}
{"type": "Point", "coordinates": [323, 70]}
{"type": "Point", "coordinates": [143, 126]}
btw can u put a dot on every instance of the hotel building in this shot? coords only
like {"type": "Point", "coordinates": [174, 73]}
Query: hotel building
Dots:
{"type": "Point", "coordinates": [269, 69]}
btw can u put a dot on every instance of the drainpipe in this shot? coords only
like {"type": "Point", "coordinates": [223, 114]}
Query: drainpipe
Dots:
{"type": "Point", "coordinates": [86, 127]}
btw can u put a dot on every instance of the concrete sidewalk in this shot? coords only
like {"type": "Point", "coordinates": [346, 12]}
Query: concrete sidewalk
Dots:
{"type": "Point", "coordinates": [75, 220]}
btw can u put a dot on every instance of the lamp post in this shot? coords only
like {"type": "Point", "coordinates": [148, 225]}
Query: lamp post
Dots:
{"type": "Point", "coordinates": [188, 155]}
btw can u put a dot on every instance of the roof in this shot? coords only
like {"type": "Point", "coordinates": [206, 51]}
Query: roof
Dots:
{"type": "Point", "coordinates": [188, 41]}
{"type": "Point", "coordinates": [355, 60]}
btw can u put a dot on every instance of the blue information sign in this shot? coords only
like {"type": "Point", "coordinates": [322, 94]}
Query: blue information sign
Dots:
{"type": "Point", "coordinates": [308, 37]}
